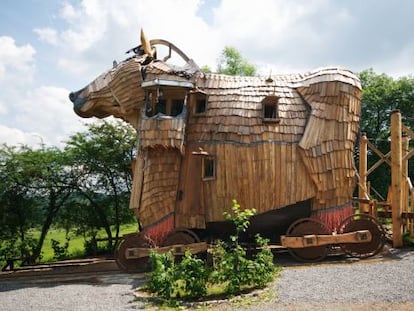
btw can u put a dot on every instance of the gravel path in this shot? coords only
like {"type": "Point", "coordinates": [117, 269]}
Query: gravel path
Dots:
{"type": "Point", "coordinates": [384, 283]}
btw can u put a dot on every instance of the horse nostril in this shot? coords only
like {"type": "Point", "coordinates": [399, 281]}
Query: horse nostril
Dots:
{"type": "Point", "coordinates": [72, 97]}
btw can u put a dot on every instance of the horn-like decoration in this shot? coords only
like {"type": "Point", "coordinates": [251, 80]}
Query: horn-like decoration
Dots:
{"type": "Point", "coordinates": [146, 45]}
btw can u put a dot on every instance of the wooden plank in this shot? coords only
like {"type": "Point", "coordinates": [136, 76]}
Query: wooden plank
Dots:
{"type": "Point", "coordinates": [396, 178]}
{"type": "Point", "coordinates": [272, 174]}
{"type": "Point", "coordinates": [361, 236]}
{"type": "Point", "coordinates": [282, 185]}
{"type": "Point", "coordinates": [176, 249]}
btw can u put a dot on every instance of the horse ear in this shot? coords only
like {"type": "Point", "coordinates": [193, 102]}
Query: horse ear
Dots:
{"type": "Point", "coordinates": [146, 45]}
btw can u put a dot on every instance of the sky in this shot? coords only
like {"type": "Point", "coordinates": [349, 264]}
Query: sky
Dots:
{"type": "Point", "coordinates": [49, 48]}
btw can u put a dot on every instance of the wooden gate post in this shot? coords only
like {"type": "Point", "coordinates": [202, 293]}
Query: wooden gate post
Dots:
{"type": "Point", "coordinates": [405, 189]}
{"type": "Point", "coordinates": [396, 177]}
{"type": "Point", "coordinates": [362, 189]}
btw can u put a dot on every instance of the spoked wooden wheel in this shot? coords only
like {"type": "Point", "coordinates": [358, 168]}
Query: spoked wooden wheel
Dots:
{"type": "Point", "coordinates": [306, 226]}
{"type": "Point", "coordinates": [180, 236]}
{"type": "Point", "coordinates": [363, 222]}
{"type": "Point", "coordinates": [131, 265]}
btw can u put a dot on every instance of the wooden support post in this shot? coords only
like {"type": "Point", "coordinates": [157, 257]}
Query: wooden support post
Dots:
{"type": "Point", "coordinates": [405, 190]}
{"type": "Point", "coordinates": [363, 187]}
{"type": "Point", "coordinates": [396, 177]}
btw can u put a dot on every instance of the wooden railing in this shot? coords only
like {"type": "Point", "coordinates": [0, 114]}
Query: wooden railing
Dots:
{"type": "Point", "coordinates": [401, 192]}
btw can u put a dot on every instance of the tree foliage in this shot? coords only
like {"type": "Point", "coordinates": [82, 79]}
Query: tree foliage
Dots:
{"type": "Point", "coordinates": [102, 156]}
{"type": "Point", "coordinates": [231, 62]}
{"type": "Point", "coordinates": [231, 270]}
{"type": "Point", "coordinates": [85, 186]}
{"type": "Point", "coordinates": [38, 179]}
{"type": "Point", "coordinates": [380, 96]}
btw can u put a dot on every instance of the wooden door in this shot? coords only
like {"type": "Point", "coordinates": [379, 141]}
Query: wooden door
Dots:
{"type": "Point", "coordinates": [190, 209]}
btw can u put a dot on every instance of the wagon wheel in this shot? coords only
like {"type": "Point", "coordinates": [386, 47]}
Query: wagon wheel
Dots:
{"type": "Point", "coordinates": [363, 222]}
{"type": "Point", "coordinates": [180, 236]}
{"type": "Point", "coordinates": [131, 265]}
{"type": "Point", "coordinates": [306, 226]}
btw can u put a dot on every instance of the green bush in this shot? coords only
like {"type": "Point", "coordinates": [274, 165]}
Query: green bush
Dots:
{"type": "Point", "coordinates": [16, 249]}
{"type": "Point", "coordinates": [187, 279]}
{"type": "Point", "coordinates": [231, 269]}
{"type": "Point", "coordinates": [230, 263]}
{"type": "Point", "coordinates": [60, 252]}
{"type": "Point", "coordinates": [161, 277]}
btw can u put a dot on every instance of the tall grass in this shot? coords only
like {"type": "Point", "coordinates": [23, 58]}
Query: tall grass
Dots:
{"type": "Point", "coordinates": [76, 247]}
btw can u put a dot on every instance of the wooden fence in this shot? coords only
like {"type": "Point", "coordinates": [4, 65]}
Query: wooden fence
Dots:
{"type": "Point", "coordinates": [400, 200]}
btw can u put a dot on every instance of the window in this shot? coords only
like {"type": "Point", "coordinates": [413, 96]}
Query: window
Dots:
{"type": "Point", "coordinates": [167, 102]}
{"type": "Point", "coordinates": [199, 102]}
{"type": "Point", "coordinates": [200, 106]}
{"type": "Point", "coordinates": [161, 106]}
{"type": "Point", "coordinates": [209, 168]}
{"type": "Point", "coordinates": [176, 107]}
{"type": "Point", "coordinates": [271, 109]}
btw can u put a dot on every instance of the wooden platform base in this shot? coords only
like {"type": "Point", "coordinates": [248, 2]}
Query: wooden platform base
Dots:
{"type": "Point", "coordinates": [312, 240]}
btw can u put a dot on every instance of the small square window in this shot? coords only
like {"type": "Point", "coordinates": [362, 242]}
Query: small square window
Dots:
{"type": "Point", "coordinates": [200, 106]}
{"type": "Point", "coordinates": [209, 168]}
{"type": "Point", "coordinates": [199, 102]}
{"type": "Point", "coordinates": [271, 109]}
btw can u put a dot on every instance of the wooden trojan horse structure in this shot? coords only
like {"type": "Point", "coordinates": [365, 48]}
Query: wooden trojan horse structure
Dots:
{"type": "Point", "coordinates": [281, 144]}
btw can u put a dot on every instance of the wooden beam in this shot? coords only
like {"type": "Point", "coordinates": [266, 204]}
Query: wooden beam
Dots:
{"type": "Point", "coordinates": [408, 155]}
{"type": "Point", "coordinates": [385, 159]}
{"type": "Point", "coordinates": [363, 154]}
{"type": "Point", "coordinates": [312, 240]}
{"type": "Point", "coordinates": [408, 131]}
{"type": "Point", "coordinates": [178, 249]}
{"type": "Point", "coordinates": [363, 165]}
{"type": "Point", "coordinates": [396, 178]}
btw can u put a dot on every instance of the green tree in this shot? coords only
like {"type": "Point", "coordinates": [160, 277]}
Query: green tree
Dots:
{"type": "Point", "coordinates": [232, 63]}
{"type": "Point", "coordinates": [206, 69]}
{"type": "Point", "coordinates": [102, 155]}
{"type": "Point", "coordinates": [36, 180]}
{"type": "Point", "coordinates": [18, 212]}
{"type": "Point", "coordinates": [380, 96]}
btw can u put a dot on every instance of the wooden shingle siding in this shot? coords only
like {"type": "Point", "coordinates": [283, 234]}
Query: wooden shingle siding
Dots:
{"type": "Point", "coordinates": [267, 163]}
{"type": "Point", "coordinates": [328, 142]}
{"type": "Point", "coordinates": [160, 184]}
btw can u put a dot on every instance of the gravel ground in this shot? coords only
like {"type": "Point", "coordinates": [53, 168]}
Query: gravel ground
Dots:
{"type": "Point", "coordinates": [382, 283]}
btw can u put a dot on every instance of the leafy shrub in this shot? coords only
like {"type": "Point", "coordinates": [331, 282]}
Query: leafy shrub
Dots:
{"type": "Point", "coordinates": [60, 252]}
{"type": "Point", "coordinates": [17, 249]}
{"type": "Point", "coordinates": [231, 268]}
{"type": "Point", "coordinates": [192, 274]}
{"type": "Point", "coordinates": [230, 264]}
{"type": "Point", "coordinates": [161, 278]}
{"type": "Point", "coordinates": [92, 248]}
{"type": "Point", "coordinates": [187, 279]}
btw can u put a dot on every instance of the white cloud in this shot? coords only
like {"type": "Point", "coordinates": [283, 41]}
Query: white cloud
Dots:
{"type": "Point", "coordinates": [277, 35]}
{"type": "Point", "coordinates": [282, 35]}
{"type": "Point", "coordinates": [48, 35]}
{"type": "Point", "coordinates": [402, 64]}
{"type": "Point", "coordinates": [27, 110]}
{"type": "Point", "coordinates": [47, 111]}
{"type": "Point", "coordinates": [16, 62]}
{"type": "Point", "coordinates": [99, 31]}
{"type": "Point", "coordinates": [14, 136]}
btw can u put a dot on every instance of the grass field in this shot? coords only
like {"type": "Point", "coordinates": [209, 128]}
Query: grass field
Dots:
{"type": "Point", "coordinates": [76, 242]}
